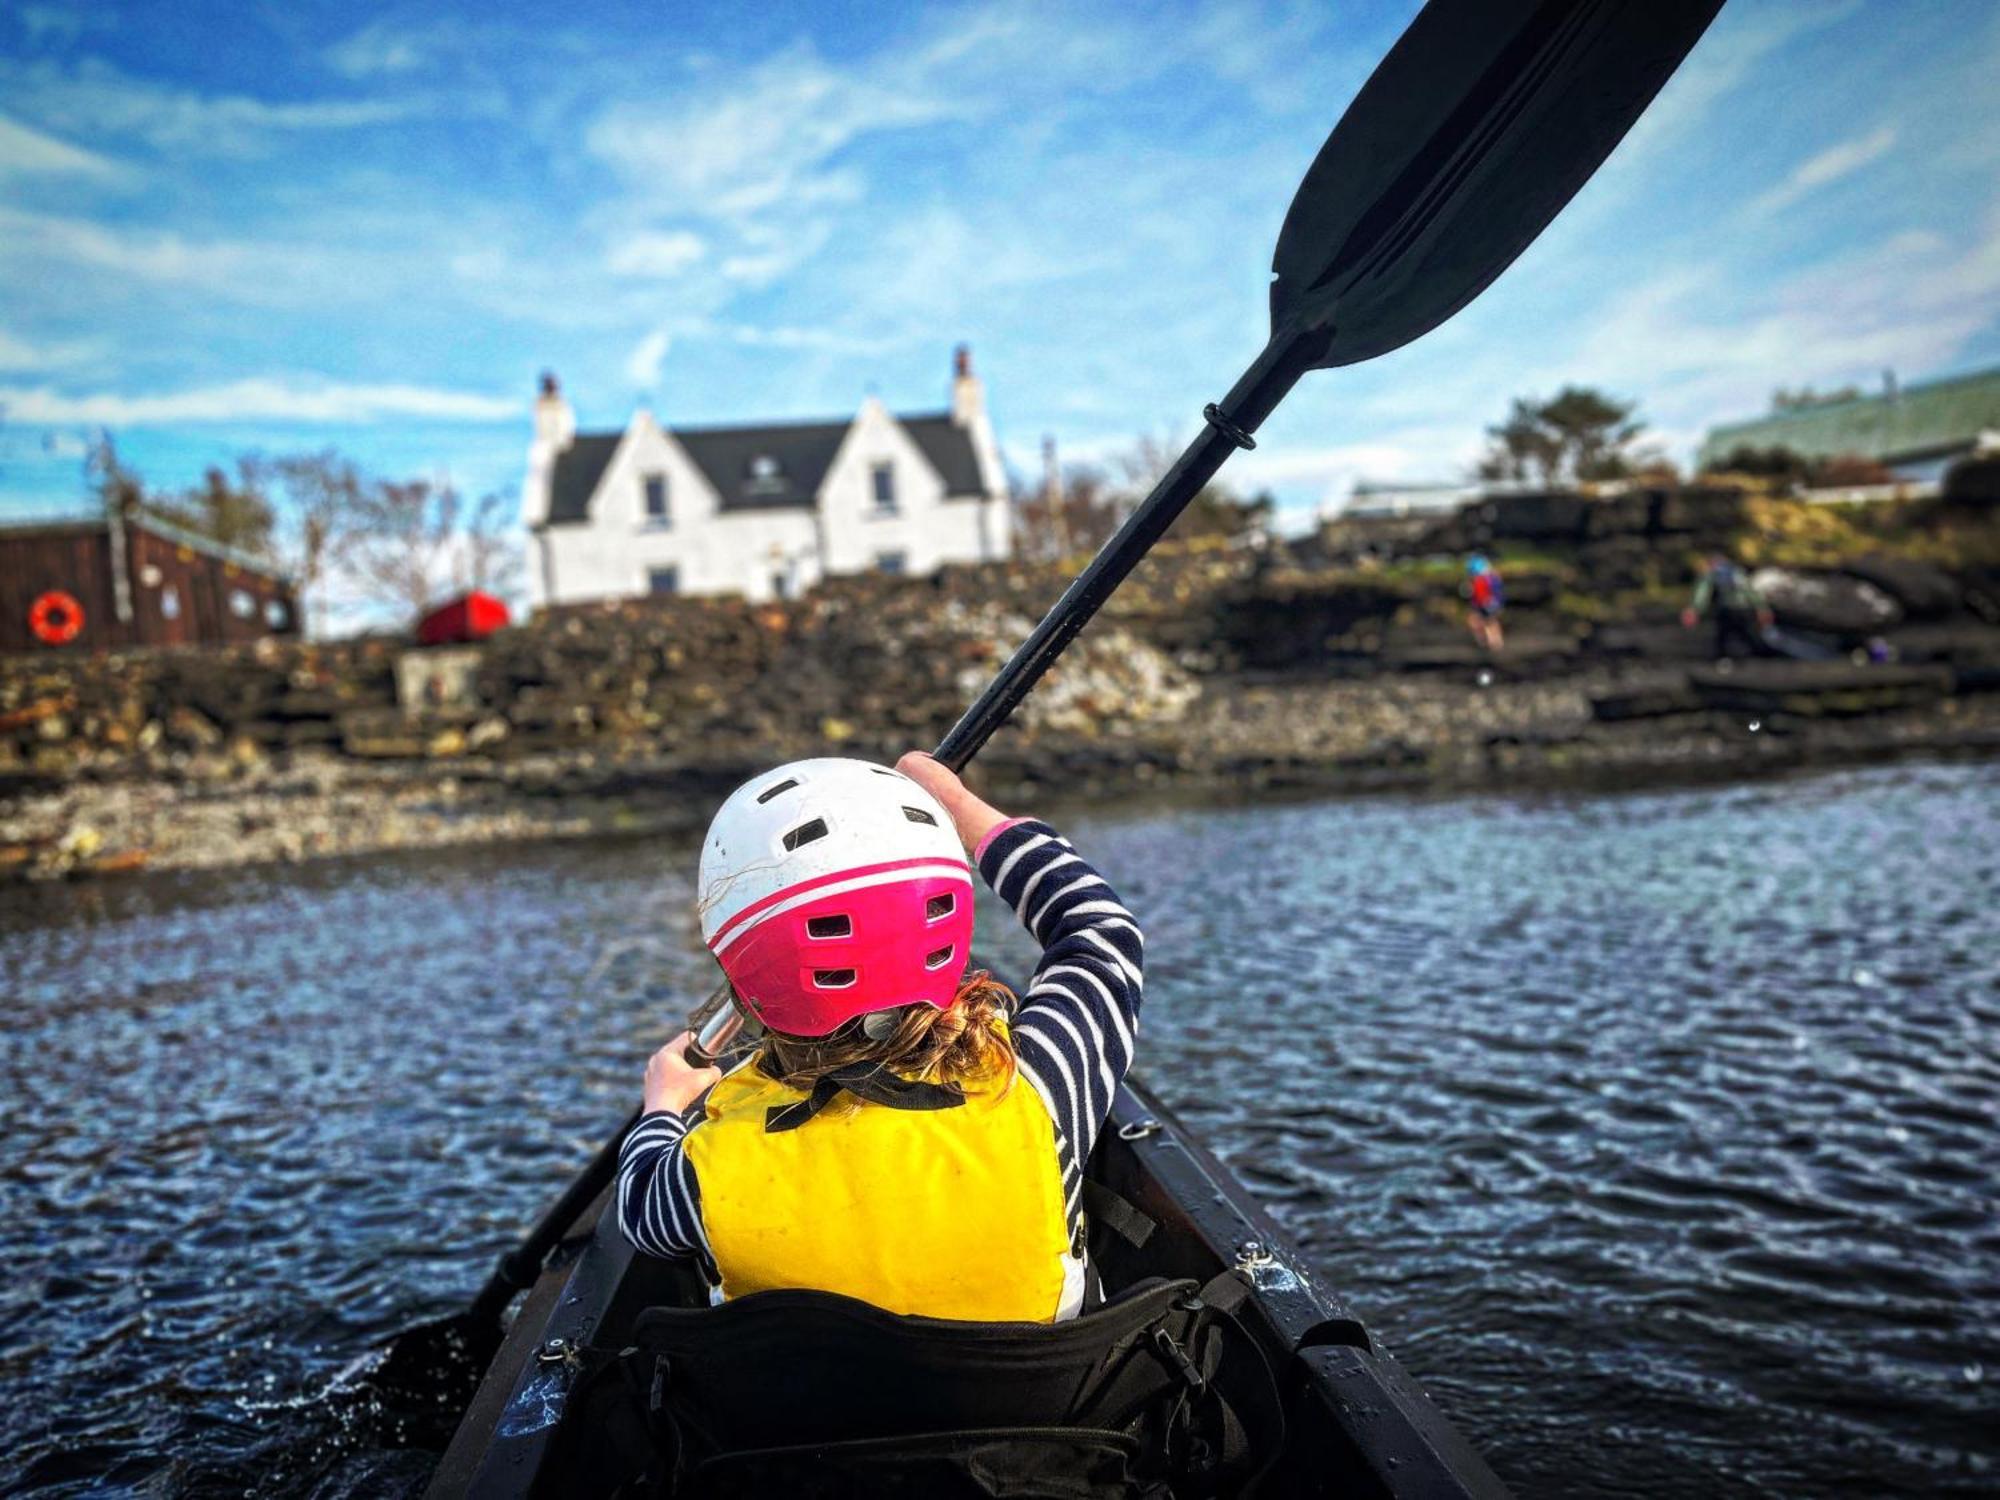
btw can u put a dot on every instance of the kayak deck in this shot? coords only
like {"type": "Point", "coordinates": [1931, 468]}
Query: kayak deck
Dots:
{"type": "Point", "coordinates": [1356, 1422]}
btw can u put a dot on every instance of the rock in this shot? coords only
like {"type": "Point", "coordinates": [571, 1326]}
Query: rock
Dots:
{"type": "Point", "coordinates": [488, 731]}
{"type": "Point", "coordinates": [1824, 689]}
{"type": "Point", "coordinates": [1553, 515]}
{"type": "Point", "coordinates": [1974, 482]}
{"type": "Point", "coordinates": [190, 726]}
{"type": "Point", "coordinates": [34, 713]}
{"type": "Point", "coordinates": [1645, 703]}
{"type": "Point", "coordinates": [1925, 591]}
{"type": "Point", "coordinates": [1833, 603]}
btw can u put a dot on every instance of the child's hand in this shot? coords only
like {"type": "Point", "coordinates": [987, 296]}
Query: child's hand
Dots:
{"type": "Point", "coordinates": [671, 1083]}
{"type": "Point", "coordinates": [973, 817]}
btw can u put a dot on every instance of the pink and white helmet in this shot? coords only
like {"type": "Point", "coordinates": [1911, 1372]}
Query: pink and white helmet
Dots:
{"type": "Point", "coordinates": [831, 888]}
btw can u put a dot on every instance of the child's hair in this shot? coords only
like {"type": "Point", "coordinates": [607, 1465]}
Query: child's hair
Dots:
{"type": "Point", "coordinates": [964, 1045]}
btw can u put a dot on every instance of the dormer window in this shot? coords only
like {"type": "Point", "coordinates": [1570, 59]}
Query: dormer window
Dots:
{"type": "Point", "coordinates": [884, 477]}
{"type": "Point", "coordinates": [766, 476]}
{"type": "Point", "coordinates": [656, 501]}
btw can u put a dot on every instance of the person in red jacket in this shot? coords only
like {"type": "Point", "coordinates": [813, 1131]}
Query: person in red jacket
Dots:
{"type": "Point", "coordinates": [1483, 588]}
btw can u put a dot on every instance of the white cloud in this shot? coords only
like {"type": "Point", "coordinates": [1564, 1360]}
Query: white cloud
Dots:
{"type": "Point", "coordinates": [1828, 166]}
{"type": "Point", "coordinates": [380, 48]}
{"type": "Point", "coordinates": [643, 365]}
{"type": "Point", "coordinates": [49, 239]}
{"type": "Point", "coordinates": [1910, 302]}
{"type": "Point", "coordinates": [94, 98]}
{"type": "Point", "coordinates": [56, 23]}
{"type": "Point", "coordinates": [20, 354]}
{"type": "Point", "coordinates": [655, 253]}
{"type": "Point", "coordinates": [267, 399]}
{"type": "Point", "coordinates": [25, 153]}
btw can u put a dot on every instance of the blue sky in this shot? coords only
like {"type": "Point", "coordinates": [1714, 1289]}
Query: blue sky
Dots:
{"type": "Point", "coordinates": [279, 226]}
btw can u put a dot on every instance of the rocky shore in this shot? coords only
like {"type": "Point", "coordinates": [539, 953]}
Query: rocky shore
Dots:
{"type": "Point", "coordinates": [1340, 664]}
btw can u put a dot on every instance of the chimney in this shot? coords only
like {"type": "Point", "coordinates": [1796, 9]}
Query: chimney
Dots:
{"type": "Point", "coordinates": [1055, 503]}
{"type": "Point", "coordinates": [968, 396]}
{"type": "Point", "coordinates": [1889, 386]}
{"type": "Point", "coordinates": [555, 422]}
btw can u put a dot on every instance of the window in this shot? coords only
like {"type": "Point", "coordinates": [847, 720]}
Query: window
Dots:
{"type": "Point", "coordinates": [663, 580]}
{"type": "Point", "coordinates": [276, 615]}
{"type": "Point", "coordinates": [767, 476]}
{"type": "Point", "coordinates": [241, 604]}
{"type": "Point", "coordinates": [656, 500]}
{"type": "Point", "coordinates": [781, 586]}
{"type": "Point", "coordinates": [170, 602]}
{"type": "Point", "coordinates": [885, 489]}
{"type": "Point", "coordinates": [895, 564]}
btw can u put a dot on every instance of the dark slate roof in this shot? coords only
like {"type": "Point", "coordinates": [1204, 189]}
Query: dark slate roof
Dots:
{"type": "Point", "coordinates": [578, 468]}
{"type": "Point", "coordinates": [804, 452]}
{"type": "Point", "coordinates": [949, 448]}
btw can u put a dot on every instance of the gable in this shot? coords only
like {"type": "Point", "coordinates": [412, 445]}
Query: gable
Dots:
{"type": "Point", "coordinates": [948, 446]}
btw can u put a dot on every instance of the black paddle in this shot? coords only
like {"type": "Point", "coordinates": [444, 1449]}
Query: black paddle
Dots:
{"type": "Point", "coordinates": [1481, 123]}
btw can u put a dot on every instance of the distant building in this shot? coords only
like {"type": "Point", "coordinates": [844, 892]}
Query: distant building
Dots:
{"type": "Point", "coordinates": [765, 510]}
{"type": "Point", "coordinates": [133, 580]}
{"type": "Point", "coordinates": [1917, 431]}
{"type": "Point", "coordinates": [1387, 499]}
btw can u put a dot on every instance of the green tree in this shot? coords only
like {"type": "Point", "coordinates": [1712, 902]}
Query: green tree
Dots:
{"type": "Point", "coordinates": [1579, 434]}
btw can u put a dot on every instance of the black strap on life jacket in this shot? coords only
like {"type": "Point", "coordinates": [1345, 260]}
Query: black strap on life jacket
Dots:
{"type": "Point", "coordinates": [868, 1081]}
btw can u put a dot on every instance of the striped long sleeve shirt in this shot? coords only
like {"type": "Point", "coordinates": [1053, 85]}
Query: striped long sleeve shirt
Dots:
{"type": "Point", "coordinates": [1073, 1034]}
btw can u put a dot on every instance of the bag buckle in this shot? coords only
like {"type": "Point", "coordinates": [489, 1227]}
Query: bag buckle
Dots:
{"type": "Point", "coordinates": [1177, 1359]}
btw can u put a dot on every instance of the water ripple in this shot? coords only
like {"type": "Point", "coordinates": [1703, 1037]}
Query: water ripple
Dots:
{"type": "Point", "coordinates": [1655, 1133]}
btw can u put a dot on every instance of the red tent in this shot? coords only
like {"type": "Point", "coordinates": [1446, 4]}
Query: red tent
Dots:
{"type": "Point", "coordinates": [466, 618]}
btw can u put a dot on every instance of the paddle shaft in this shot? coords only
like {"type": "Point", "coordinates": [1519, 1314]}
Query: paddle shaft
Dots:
{"type": "Point", "coordinates": [1227, 426]}
{"type": "Point", "coordinates": [1253, 398]}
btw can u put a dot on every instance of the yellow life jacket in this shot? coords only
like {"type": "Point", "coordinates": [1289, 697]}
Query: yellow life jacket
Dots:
{"type": "Point", "coordinates": [948, 1213]}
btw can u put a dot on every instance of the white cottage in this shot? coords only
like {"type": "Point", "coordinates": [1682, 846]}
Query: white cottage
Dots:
{"type": "Point", "coordinates": [761, 511]}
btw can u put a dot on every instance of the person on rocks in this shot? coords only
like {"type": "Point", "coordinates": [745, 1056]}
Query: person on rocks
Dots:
{"type": "Point", "coordinates": [1484, 589]}
{"type": "Point", "coordinates": [908, 1133]}
{"type": "Point", "coordinates": [1741, 615]}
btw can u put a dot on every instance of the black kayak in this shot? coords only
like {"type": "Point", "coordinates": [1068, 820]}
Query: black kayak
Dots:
{"type": "Point", "coordinates": [1331, 1413]}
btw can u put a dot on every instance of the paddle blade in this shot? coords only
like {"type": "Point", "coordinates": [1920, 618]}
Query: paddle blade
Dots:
{"type": "Point", "coordinates": [1485, 118]}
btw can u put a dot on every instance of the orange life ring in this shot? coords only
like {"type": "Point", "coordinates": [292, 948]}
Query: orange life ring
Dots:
{"type": "Point", "coordinates": [56, 618]}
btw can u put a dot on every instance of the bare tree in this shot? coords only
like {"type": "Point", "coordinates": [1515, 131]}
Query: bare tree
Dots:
{"type": "Point", "coordinates": [399, 547]}
{"type": "Point", "coordinates": [412, 543]}
{"type": "Point", "coordinates": [491, 559]}
{"type": "Point", "coordinates": [1076, 515]}
{"type": "Point", "coordinates": [316, 499]}
{"type": "Point", "coordinates": [1216, 510]}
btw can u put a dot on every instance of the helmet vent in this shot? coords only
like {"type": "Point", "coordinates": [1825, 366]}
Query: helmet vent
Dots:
{"type": "Point", "coordinates": [918, 815]}
{"type": "Point", "coordinates": [939, 959]}
{"type": "Point", "coordinates": [806, 833]}
{"type": "Point", "coordinates": [771, 791]}
{"type": "Point", "coordinates": [837, 925]}
{"type": "Point", "coordinates": [834, 979]}
{"type": "Point", "coordinates": [939, 907]}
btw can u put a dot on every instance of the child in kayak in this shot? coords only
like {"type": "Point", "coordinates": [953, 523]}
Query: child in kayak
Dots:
{"type": "Point", "coordinates": [906, 1134]}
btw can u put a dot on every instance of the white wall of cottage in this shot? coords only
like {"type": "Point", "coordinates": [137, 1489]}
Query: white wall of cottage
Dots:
{"type": "Point", "coordinates": [762, 553]}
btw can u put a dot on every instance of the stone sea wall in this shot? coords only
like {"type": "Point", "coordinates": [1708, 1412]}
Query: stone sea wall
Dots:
{"type": "Point", "coordinates": [1342, 661]}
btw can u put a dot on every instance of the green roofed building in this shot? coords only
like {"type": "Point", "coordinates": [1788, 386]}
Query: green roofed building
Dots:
{"type": "Point", "coordinates": [1917, 431]}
